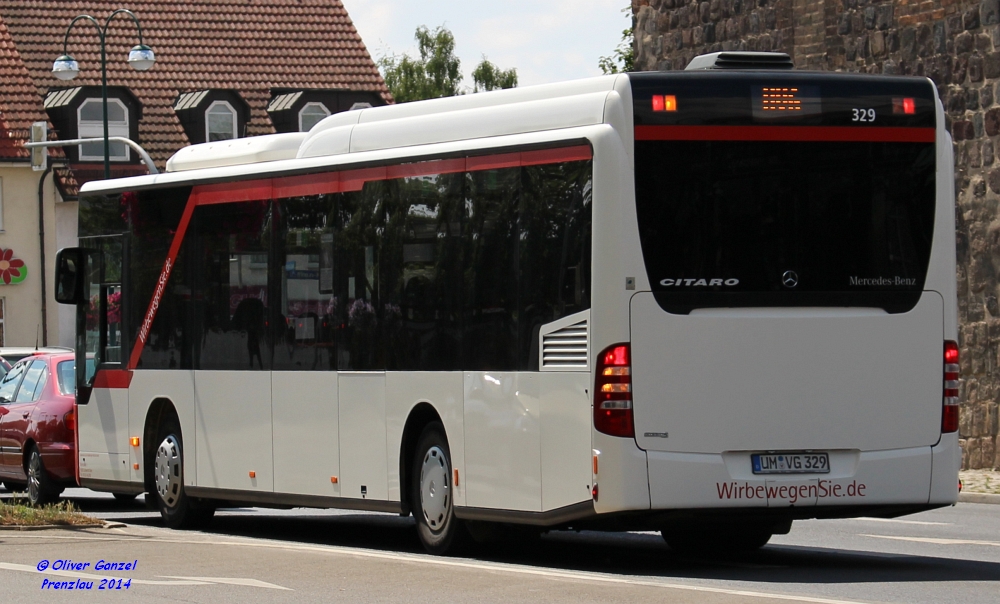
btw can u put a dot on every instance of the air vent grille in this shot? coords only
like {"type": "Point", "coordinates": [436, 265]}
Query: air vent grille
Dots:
{"type": "Point", "coordinates": [566, 347]}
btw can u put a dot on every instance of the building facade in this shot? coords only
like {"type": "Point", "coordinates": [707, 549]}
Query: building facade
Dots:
{"type": "Point", "coordinates": [224, 69]}
{"type": "Point", "coordinates": [954, 43]}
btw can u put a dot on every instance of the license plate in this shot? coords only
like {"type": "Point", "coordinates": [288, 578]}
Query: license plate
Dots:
{"type": "Point", "coordinates": [790, 463]}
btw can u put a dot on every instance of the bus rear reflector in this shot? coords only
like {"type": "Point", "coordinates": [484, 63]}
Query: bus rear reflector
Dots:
{"type": "Point", "coordinates": [613, 392]}
{"type": "Point", "coordinates": [70, 420]}
{"type": "Point", "coordinates": [949, 416]}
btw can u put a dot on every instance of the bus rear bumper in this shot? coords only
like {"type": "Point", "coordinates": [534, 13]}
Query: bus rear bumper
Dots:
{"type": "Point", "coordinates": [856, 478]}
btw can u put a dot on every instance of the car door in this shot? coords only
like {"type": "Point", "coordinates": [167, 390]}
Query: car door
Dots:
{"type": "Point", "coordinates": [8, 447]}
{"type": "Point", "coordinates": [20, 412]}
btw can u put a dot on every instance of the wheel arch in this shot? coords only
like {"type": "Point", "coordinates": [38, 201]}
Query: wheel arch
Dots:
{"type": "Point", "coordinates": [422, 414]}
{"type": "Point", "coordinates": [159, 410]}
{"type": "Point", "coordinates": [29, 443]}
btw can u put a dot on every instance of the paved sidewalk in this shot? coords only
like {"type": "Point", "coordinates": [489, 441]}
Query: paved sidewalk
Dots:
{"type": "Point", "coordinates": [980, 481]}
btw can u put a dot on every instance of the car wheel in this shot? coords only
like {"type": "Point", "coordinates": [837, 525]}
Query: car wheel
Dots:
{"type": "Point", "coordinates": [432, 494]}
{"type": "Point", "coordinates": [41, 490]}
{"type": "Point", "coordinates": [125, 497]}
{"type": "Point", "coordinates": [179, 511]}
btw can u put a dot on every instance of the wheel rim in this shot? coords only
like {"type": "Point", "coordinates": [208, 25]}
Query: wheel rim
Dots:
{"type": "Point", "coordinates": [167, 471]}
{"type": "Point", "coordinates": [435, 488]}
{"type": "Point", "coordinates": [34, 477]}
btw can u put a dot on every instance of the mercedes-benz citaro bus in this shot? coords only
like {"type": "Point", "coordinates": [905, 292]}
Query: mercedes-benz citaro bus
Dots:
{"type": "Point", "coordinates": [707, 302]}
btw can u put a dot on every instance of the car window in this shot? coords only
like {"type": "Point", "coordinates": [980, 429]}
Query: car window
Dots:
{"type": "Point", "coordinates": [34, 379]}
{"type": "Point", "coordinates": [66, 375]}
{"type": "Point", "coordinates": [9, 383]}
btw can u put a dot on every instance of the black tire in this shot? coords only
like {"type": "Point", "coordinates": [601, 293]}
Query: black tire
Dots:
{"type": "Point", "coordinates": [179, 511]}
{"type": "Point", "coordinates": [41, 488]}
{"type": "Point", "coordinates": [125, 497]}
{"type": "Point", "coordinates": [710, 542]}
{"type": "Point", "coordinates": [432, 495]}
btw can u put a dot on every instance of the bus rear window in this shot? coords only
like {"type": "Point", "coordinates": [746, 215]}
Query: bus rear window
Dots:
{"type": "Point", "coordinates": [778, 223]}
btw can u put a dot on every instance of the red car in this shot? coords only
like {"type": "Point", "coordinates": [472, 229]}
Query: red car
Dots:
{"type": "Point", "coordinates": [38, 425]}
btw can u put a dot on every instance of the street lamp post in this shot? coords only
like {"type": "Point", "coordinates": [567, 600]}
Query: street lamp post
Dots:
{"type": "Point", "coordinates": [65, 67]}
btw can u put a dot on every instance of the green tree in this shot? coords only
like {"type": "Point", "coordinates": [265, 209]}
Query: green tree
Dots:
{"type": "Point", "coordinates": [622, 59]}
{"type": "Point", "coordinates": [437, 72]}
{"type": "Point", "coordinates": [488, 76]}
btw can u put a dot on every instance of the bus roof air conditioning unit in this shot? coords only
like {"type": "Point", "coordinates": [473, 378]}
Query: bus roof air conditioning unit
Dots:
{"type": "Point", "coordinates": [741, 60]}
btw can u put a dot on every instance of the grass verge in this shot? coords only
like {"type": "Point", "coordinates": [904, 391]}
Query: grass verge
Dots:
{"type": "Point", "coordinates": [16, 512]}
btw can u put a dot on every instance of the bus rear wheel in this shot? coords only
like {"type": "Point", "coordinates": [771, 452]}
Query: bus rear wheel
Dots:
{"type": "Point", "coordinates": [432, 494]}
{"type": "Point", "coordinates": [179, 511]}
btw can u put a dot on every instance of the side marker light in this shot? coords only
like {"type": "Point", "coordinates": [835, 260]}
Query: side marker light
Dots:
{"type": "Point", "coordinates": [333, 480]}
{"type": "Point", "coordinates": [134, 441]}
{"type": "Point", "coordinates": [135, 466]}
{"type": "Point", "coordinates": [253, 474]}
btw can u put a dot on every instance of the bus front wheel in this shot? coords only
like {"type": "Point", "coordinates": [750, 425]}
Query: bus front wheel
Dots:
{"type": "Point", "coordinates": [179, 511]}
{"type": "Point", "coordinates": [432, 494]}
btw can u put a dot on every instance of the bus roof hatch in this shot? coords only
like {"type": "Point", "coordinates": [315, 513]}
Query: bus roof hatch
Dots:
{"type": "Point", "coordinates": [741, 60]}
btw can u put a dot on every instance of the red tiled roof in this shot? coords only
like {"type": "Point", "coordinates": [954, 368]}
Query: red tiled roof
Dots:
{"type": "Point", "coordinates": [20, 104]}
{"type": "Point", "coordinates": [245, 45]}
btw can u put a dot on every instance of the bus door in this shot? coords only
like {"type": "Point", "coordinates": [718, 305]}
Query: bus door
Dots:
{"type": "Point", "coordinates": [101, 348]}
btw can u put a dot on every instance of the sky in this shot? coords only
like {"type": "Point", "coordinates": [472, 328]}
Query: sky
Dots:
{"type": "Point", "coordinates": [546, 42]}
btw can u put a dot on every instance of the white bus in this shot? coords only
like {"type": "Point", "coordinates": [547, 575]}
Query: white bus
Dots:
{"type": "Point", "coordinates": [707, 302]}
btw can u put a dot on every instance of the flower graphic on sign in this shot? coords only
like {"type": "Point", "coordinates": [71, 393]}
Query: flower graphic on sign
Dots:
{"type": "Point", "coordinates": [12, 270]}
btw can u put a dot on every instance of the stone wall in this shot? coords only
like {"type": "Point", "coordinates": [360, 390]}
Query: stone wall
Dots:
{"type": "Point", "coordinates": [954, 43]}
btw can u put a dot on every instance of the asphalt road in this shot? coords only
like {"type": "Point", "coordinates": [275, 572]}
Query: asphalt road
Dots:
{"type": "Point", "coordinates": [939, 557]}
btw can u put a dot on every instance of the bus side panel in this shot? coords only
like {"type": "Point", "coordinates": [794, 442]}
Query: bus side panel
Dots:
{"type": "Point", "coordinates": [363, 461]}
{"type": "Point", "coordinates": [502, 445]}
{"type": "Point", "coordinates": [306, 437]}
{"type": "Point", "coordinates": [233, 411]}
{"type": "Point", "coordinates": [177, 386]}
{"type": "Point", "coordinates": [565, 411]}
{"type": "Point", "coordinates": [443, 391]}
{"type": "Point", "coordinates": [103, 430]}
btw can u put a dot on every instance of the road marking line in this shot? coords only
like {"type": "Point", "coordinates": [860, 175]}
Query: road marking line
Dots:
{"type": "Point", "coordinates": [232, 581]}
{"type": "Point", "coordinates": [505, 568]}
{"type": "Point", "coordinates": [894, 520]}
{"type": "Point", "coordinates": [176, 580]}
{"type": "Point", "coordinates": [937, 540]}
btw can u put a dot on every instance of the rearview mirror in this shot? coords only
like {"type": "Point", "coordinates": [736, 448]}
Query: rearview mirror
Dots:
{"type": "Point", "coordinates": [71, 265]}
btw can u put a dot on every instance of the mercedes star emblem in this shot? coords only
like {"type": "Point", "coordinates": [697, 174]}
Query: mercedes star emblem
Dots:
{"type": "Point", "coordinates": [790, 279]}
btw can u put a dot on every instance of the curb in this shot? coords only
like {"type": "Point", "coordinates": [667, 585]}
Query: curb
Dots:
{"type": "Point", "coordinates": [978, 498]}
{"type": "Point", "coordinates": [65, 527]}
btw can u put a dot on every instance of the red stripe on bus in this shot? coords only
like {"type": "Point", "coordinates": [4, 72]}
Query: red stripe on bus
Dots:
{"type": "Point", "coordinates": [309, 184]}
{"type": "Point", "coordinates": [493, 162]}
{"type": "Point", "coordinates": [552, 156]}
{"type": "Point", "coordinates": [354, 180]}
{"type": "Point", "coordinates": [161, 283]}
{"type": "Point", "coordinates": [859, 134]}
{"type": "Point", "coordinates": [231, 192]}
{"type": "Point", "coordinates": [426, 168]}
{"type": "Point", "coordinates": [107, 378]}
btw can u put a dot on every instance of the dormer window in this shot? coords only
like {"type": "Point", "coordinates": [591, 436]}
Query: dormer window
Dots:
{"type": "Point", "coordinates": [212, 115]}
{"type": "Point", "coordinates": [220, 121]}
{"type": "Point", "coordinates": [300, 110]}
{"type": "Point", "coordinates": [90, 124]}
{"type": "Point", "coordinates": [311, 114]}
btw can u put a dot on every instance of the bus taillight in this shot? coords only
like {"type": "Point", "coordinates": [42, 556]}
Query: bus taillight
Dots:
{"type": "Point", "coordinates": [949, 417]}
{"type": "Point", "coordinates": [613, 392]}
